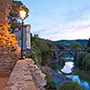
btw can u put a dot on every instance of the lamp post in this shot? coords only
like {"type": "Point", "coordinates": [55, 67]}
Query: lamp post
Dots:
{"type": "Point", "coordinates": [22, 14]}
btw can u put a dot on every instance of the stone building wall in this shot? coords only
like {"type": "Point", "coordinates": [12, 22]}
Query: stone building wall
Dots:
{"type": "Point", "coordinates": [9, 50]}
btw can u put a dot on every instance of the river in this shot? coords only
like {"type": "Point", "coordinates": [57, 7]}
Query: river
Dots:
{"type": "Point", "coordinates": [83, 78]}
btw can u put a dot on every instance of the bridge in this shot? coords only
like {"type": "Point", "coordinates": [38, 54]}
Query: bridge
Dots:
{"type": "Point", "coordinates": [74, 52]}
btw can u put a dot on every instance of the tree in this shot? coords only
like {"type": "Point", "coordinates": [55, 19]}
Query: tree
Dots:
{"type": "Point", "coordinates": [43, 49]}
{"type": "Point", "coordinates": [88, 44]}
{"type": "Point", "coordinates": [76, 46]}
{"type": "Point", "coordinates": [86, 62]}
{"type": "Point", "coordinates": [59, 46]}
{"type": "Point", "coordinates": [51, 85]}
{"type": "Point", "coordinates": [80, 58]}
{"type": "Point", "coordinates": [14, 15]}
{"type": "Point", "coordinates": [71, 86]}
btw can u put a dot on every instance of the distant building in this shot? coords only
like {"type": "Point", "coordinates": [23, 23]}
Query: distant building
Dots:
{"type": "Point", "coordinates": [26, 36]}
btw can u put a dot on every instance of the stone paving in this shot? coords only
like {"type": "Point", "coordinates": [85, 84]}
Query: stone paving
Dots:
{"type": "Point", "coordinates": [20, 78]}
{"type": "Point", "coordinates": [25, 78]}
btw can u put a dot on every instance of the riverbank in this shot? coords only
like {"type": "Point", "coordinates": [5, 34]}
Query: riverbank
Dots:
{"type": "Point", "coordinates": [78, 75]}
{"type": "Point", "coordinates": [82, 74]}
{"type": "Point", "coordinates": [58, 78]}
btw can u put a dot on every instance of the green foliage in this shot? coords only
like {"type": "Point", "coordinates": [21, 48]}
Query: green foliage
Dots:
{"type": "Point", "coordinates": [59, 46]}
{"type": "Point", "coordinates": [72, 86]}
{"type": "Point", "coordinates": [76, 46]}
{"type": "Point", "coordinates": [14, 14]}
{"type": "Point", "coordinates": [83, 75]}
{"type": "Point", "coordinates": [51, 85]}
{"type": "Point", "coordinates": [54, 66]}
{"type": "Point", "coordinates": [84, 61]}
{"type": "Point", "coordinates": [36, 56]}
{"type": "Point", "coordinates": [43, 50]}
{"type": "Point", "coordinates": [88, 44]}
{"type": "Point", "coordinates": [80, 58]}
{"type": "Point", "coordinates": [68, 43]}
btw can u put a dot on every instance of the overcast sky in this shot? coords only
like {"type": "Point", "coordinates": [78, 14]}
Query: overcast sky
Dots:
{"type": "Point", "coordinates": [59, 19]}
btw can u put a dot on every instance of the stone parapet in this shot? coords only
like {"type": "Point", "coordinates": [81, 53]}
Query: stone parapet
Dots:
{"type": "Point", "coordinates": [26, 76]}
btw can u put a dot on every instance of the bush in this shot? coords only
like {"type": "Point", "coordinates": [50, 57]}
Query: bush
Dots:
{"type": "Point", "coordinates": [76, 46]}
{"type": "Point", "coordinates": [80, 58]}
{"type": "Point", "coordinates": [43, 49]}
{"type": "Point", "coordinates": [72, 86]}
{"type": "Point", "coordinates": [86, 62]}
{"type": "Point", "coordinates": [51, 85]}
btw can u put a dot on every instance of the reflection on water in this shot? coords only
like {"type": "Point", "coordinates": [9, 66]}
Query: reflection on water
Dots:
{"type": "Point", "coordinates": [80, 77]}
{"type": "Point", "coordinates": [68, 67]}
{"type": "Point", "coordinates": [67, 58]}
{"type": "Point", "coordinates": [81, 82]}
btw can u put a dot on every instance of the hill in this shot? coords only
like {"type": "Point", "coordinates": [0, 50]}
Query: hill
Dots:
{"type": "Point", "coordinates": [69, 43]}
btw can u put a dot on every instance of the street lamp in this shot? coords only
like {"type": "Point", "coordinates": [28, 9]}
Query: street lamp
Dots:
{"type": "Point", "coordinates": [22, 14]}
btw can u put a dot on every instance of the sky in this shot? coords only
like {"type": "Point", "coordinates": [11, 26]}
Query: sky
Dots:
{"type": "Point", "coordinates": [59, 19]}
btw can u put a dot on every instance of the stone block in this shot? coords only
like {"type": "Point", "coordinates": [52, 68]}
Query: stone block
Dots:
{"type": "Point", "coordinates": [30, 88]}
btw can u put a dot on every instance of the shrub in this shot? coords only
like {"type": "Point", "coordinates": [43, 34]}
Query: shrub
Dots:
{"type": "Point", "coordinates": [80, 58]}
{"type": "Point", "coordinates": [86, 62]}
{"type": "Point", "coordinates": [51, 85]}
{"type": "Point", "coordinates": [72, 86]}
{"type": "Point", "coordinates": [76, 46]}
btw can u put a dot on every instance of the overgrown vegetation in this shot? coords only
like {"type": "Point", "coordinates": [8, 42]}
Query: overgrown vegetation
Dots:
{"type": "Point", "coordinates": [71, 86]}
{"type": "Point", "coordinates": [76, 46]}
{"type": "Point", "coordinates": [84, 59]}
{"type": "Point", "coordinates": [68, 43]}
{"type": "Point", "coordinates": [42, 50]}
{"type": "Point", "coordinates": [51, 85]}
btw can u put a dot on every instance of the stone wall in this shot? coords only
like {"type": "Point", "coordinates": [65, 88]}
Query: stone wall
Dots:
{"type": "Point", "coordinates": [9, 50]}
{"type": "Point", "coordinates": [6, 39]}
{"type": "Point", "coordinates": [8, 58]}
{"type": "Point", "coordinates": [26, 76]}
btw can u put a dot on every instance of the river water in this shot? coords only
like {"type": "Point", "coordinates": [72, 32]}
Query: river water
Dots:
{"type": "Point", "coordinates": [81, 77]}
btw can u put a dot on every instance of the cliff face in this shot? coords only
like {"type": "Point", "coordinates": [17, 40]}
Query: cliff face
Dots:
{"type": "Point", "coordinates": [9, 50]}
